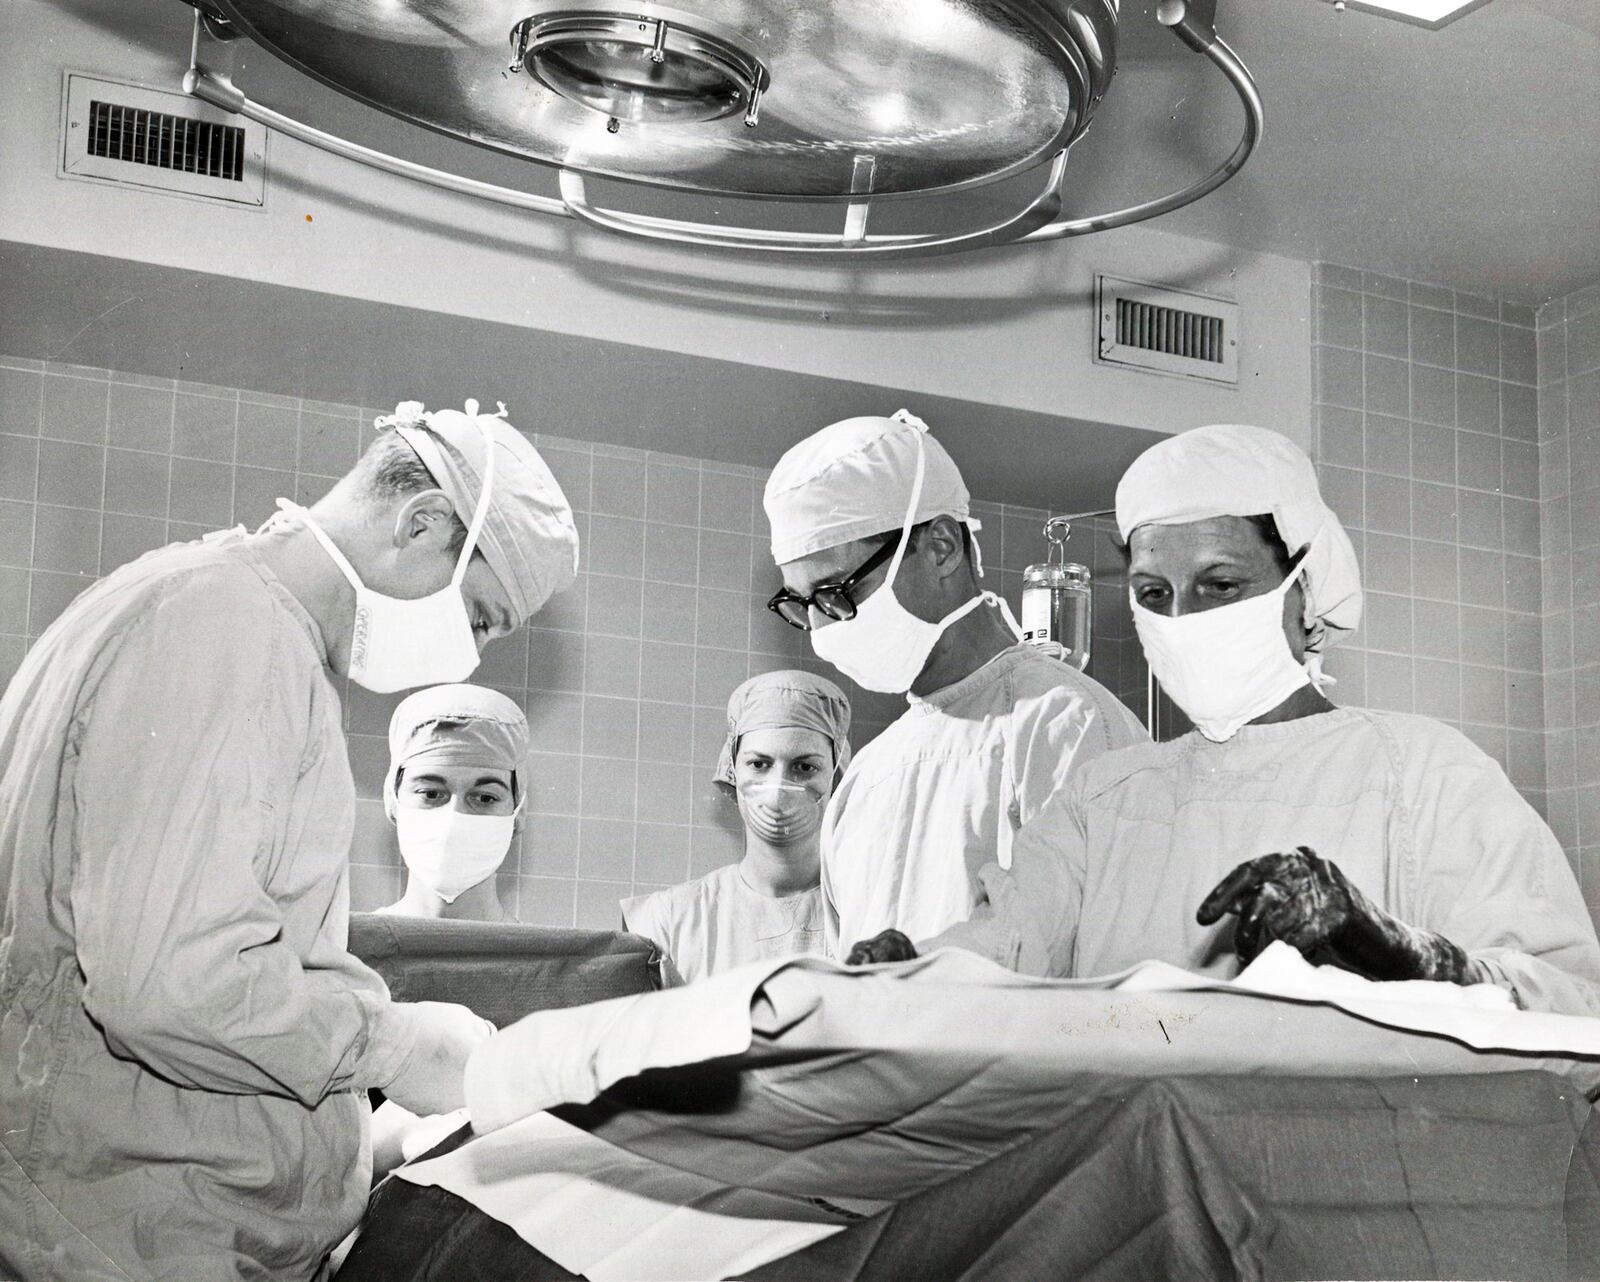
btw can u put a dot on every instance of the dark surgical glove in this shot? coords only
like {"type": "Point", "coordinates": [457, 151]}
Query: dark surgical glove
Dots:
{"type": "Point", "coordinates": [1308, 903]}
{"type": "Point", "coordinates": [889, 946]}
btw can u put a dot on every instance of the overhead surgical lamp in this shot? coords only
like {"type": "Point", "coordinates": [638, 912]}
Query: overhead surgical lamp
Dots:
{"type": "Point", "coordinates": [843, 102]}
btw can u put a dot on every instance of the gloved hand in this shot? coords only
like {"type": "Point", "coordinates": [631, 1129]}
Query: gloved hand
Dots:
{"type": "Point", "coordinates": [431, 1078]}
{"type": "Point", "coordinates": [887, 946]}
{"type": "Point", "coordinates": [1308, 903]}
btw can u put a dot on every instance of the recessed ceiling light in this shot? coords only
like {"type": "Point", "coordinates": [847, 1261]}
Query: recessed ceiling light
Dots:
{"type": "Point", "coordinates": [1432, 14]}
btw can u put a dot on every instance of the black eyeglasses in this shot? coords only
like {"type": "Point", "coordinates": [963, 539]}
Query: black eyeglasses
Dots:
{"type": "Point", "coordinates": [833, 599]}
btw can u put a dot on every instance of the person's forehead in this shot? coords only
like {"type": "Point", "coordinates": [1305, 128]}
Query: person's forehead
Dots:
{"type": "Point", "coordinates": [460, 775]}
{"type": "Point", "coordinates": [827, 566]}
{"type": "Point", "coordinates": [787, 741]}
{"type": "Point", "coordinates": [1197, 543]}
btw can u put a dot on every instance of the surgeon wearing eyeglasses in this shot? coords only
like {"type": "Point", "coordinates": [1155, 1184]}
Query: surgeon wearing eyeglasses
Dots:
{"type": "Point", "coordinates": [873, 534]}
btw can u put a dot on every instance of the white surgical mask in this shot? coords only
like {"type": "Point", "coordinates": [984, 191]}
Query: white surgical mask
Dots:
{"type": "Point", "coordinates": [399, 644]}
{"type": "Point", "coordinates": [450, 852]}
{"type": "Point", "coordinates": [1224, 667]}
{"type": "Point", "coordinates": [885, 647]}
{"type": "Point", "coordinates": [780, 813]}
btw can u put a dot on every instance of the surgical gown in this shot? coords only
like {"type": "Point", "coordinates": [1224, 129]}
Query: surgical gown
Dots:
{"type": "Point", "coordinates": [1421, 820]}
{"type": "Point", "coordinates": [939, 794]}
{"type": "Point", "coordinates": [718, 921]}
{"type": "Point", "coordinates": [184, 1040]}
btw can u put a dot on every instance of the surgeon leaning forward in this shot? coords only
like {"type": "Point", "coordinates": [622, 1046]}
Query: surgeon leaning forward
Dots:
{"type": "Point", "coordinates": [185, 1044]}
{"type": "Point", "coordinates": [1382, 843]}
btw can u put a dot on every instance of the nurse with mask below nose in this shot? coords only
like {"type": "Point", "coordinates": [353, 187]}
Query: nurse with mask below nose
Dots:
{"type": "Point", "coordinates": [454, 792]}
{"type": "Point", "coordinates": [788, 741]}
{"type": "Point", "coordinates": [1381, 843]}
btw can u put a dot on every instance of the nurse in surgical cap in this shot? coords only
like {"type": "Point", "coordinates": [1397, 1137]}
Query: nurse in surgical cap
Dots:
{"type": "Point", "coordinates": [788, 742]}
{"type": "Point", "coordinates": [1381, 843]}
{"type": "Point", "coordinates": [454, 791]}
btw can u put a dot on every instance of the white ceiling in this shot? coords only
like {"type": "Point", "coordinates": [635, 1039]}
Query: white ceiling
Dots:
{"type": "Point", "coordinates": [1468, 157]}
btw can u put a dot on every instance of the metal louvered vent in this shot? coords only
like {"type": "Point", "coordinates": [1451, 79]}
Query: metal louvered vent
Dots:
{"type": "Point", "coordinates": [1167, 331]}
{"type": "Point", "coordinates": [129, 135]}
{"type": "Point", "coordinates": [166, 141]}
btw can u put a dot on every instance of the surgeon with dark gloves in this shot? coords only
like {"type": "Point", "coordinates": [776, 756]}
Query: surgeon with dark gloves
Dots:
{"type": "Point", "coordinates": [1384, 843]}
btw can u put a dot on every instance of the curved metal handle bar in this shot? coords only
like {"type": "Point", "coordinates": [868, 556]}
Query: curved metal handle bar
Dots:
{"type": "Point", "coordinates": [219, 91]}
{"type": "Point", "coordinates": [1036, 214]}
{"type": "Point", "coordinates": [1030, 224]}
{"type": "Point", "coordinates": [1254, 126]}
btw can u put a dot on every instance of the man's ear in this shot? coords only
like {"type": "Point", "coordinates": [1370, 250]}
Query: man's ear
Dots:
{"type": "Point", "coordinates": [1294, 626]}
{"type": "Point", "coordinates": [947, 551]}
{"type": "Point", "coordinates": [425, 516]}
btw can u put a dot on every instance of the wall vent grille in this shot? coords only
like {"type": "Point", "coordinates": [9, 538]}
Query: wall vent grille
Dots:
{"type": "Point", "coordinates": [166, 141]}
{"type": "Point", "coordinates": [1152, 328]}
{"type": "Point", "coordinates": [1167, 331]}
{"type": "Point", "coordinates": [132, 136]}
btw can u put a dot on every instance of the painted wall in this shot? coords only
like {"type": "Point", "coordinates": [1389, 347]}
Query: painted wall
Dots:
{"type": "Point", "coordinates": [624, 678]}
{"type": "Point", "coordinates": [1007, 328]}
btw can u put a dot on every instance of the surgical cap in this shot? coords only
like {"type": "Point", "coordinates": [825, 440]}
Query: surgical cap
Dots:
{"type": "Point", "coordinates": [528, 537]}
{"type": "Point", "coordinates": [786, 700]}
{"type": "Point", "coordinates": [456, 725]}
{"type": "Point", "coordinates": [854, 479]}
{"type": "Point", "coordinates": [1232, 470]}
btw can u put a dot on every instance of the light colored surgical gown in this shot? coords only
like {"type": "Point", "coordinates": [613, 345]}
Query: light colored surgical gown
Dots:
{"type": "Point", "coordinates": [183, 1038]}
{"type": "Point", "coordinates": [1421, 820]}
{"type": "Point", "coordinates": [718, 921]}
{"type": "Point", "coordinates": [939, 794]}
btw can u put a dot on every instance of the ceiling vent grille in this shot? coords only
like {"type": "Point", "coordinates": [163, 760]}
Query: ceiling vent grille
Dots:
{"type": "Point", "coordinates": [126, 134]}
{"type": "Point", "coordinates": [1167, 331]}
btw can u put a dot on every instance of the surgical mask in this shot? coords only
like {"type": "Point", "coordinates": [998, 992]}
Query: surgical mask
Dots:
{"type": "Point", "coordinates": [780, 813]}
{"type": "Point", "coordinates": [450, 852]}
{"type": "Point", "coordinates": [885, 647]}
{"type": "Point", "coordinates": [399, 644]}
{"type": "Point", "coordinates": [1224, 667]}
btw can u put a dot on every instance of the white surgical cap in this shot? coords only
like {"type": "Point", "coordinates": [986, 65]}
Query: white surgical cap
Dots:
{"type": "Point", "coordinates": [853, 480]}
{"type": "Point", "coordinates": [1232, 470]}
{"type": "Point", "coordinates": [783, 700]}
{"type": "Point", "coordinates": [528, 538]}
{"type": "Point", "coordinates": [456, 725]}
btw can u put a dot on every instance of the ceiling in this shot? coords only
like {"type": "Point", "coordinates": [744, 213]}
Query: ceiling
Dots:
{"type": "Point", "coordinates": [1468, 157]}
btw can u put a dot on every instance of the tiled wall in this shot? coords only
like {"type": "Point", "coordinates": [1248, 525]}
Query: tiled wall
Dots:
{"type": "Point", "coordinates": [1427, 448]}
{"type": "Point", "coordinates": [624, 678]}
{"type": "Point", "coordinates": [1569, 467]}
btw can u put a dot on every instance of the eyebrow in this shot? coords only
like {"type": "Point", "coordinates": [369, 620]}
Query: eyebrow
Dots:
{"type": "Point", "coordinates": [799, 756]}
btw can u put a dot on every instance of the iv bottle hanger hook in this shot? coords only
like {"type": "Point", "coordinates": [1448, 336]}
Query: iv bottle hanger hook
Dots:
{"type": "Point", "coordinates": [1057, 530]}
